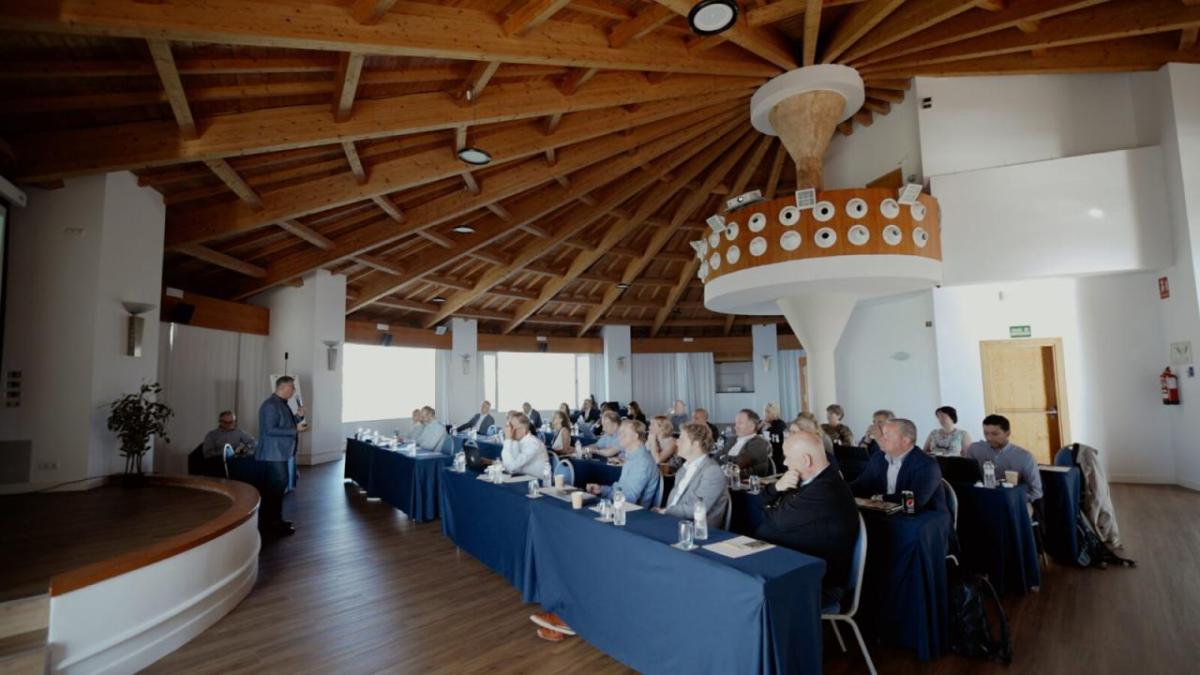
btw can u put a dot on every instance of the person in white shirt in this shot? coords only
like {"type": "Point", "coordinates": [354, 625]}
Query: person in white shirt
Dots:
{"type": "Point", "coordinates": [523, 451]}
{"type": "Point", "coordinates": [700, 478]}
{"type": "Point", "coordinates": [433, 433]}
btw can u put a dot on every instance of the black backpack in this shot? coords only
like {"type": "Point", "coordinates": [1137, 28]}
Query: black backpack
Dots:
{"type": "Point", "coordinates": [1092, 551]}
{"type": "Point", "coordinates": [970, 626]}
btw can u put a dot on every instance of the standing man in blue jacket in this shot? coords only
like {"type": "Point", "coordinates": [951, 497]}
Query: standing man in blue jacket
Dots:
{"type": "Point", "coordinates": [279, 431]}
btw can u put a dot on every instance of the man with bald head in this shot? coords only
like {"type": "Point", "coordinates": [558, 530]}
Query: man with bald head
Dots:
{"type": "Point", "coordinates": [811, 509]}
{"type": "Point", "coordinates": [898, 468]}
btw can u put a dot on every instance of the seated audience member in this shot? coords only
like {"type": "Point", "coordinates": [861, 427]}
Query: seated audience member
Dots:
{"type": "Point", "coordinates": [661, 443]}
{"type": "Point", "coordinates": [774, 428]}
{"type": "Point", "coordinates": [840, 433]}
{"type": "Point", "coordinates": [227, 433]}
{"type": "Point", "coordinates": [418, 418]}
{"type": "Point", "coordinates": [997, 449]}
{"type": "Point", "coordinates": [806, 421]}
{"type": "Point", "coordinates": [679, 416]}
{"type": "Point", "coordinates": [481, 421]}
{"type": "Point", "coordinates": [432, 432]}
{"type": "Point", "coordinates": [751, 452]}
{"type": "Point", "coordinates": [635, 412]}
{"type": "Point", "coordinates": [523, 452]}
{"type": "Point", "coordinates": [947, 439]}
{"type": "Point", "coordinates": [560, 427]}
{"type": "Point", "coordinates": [639, 473]}
{"type": "Point", "coordinates": [811, 509]}
{"type": "Point", "coordinates": [535, 417]}
{"type": "Point", "coordinates": [607, 406]}
{"type": "Point", "coordinates": [878, 419]}
{"type": "Point", "coordinates": [700, 416]}
{"type": "Point", "coordinates": [897, 468]}
{"type": "Point", "coordinates": [607, 444]}
{"type": "Point", "coordinates": [700, 478]}
{"type": "Point", "coordinates": [587, 413]}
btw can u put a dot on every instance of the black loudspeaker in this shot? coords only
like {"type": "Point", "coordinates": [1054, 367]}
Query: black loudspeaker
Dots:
{"type": "Point", "coordinates": [543, 347]}
{"type": "Point", "coordinates": [182, 313]}
{"type": "Point", "coordinates": [385, 339]}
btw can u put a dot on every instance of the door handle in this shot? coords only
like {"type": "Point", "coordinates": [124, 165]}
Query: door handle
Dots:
{"type": "Point", "coordinates": [1052, 412]}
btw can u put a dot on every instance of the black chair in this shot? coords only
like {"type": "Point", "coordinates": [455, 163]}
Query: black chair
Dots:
{"type": "Point", "coordinates": [851, 460]}
{"type": "Point", "coordinates": [961, 470]}
{"type": "Point", "coordinates": [199, 465]}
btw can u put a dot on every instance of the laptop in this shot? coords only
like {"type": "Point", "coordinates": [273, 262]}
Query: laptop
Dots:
{"type": "Point", "coordinates": [475, 458]}
{"type": "Point", "coordinates": [962, 470]}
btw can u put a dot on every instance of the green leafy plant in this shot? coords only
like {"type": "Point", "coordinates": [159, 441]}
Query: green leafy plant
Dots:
{"type": "Point", "coordinates": [135, 418]}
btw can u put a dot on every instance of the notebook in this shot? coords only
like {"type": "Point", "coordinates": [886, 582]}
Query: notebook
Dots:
{"type": "Point", "coordinates": [739, 547]}
{"type": "Point", "coordinates": [883, 507]}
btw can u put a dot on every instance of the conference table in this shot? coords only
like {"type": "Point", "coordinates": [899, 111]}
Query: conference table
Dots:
{"type": "Point", "coordinates": [633, 596]}
{"type": "Point", "coordinates": [1061, 490]}
{"type": "Point", "coordinates": [405, 479]}
{"type": "Point", "coordinates": [996, 536]}
{"type": "Point", "coordinates": [904, 600]}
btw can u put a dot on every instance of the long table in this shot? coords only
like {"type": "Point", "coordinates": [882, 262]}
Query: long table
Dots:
{"type": "Point", "coordinates": [996, 535]}
{"type": "Point", "coordinates": [1060, 504]}
{"type": "Point", "coordinates": [633, 596]}
{"type": "Point", "coordinates": [408, 482]}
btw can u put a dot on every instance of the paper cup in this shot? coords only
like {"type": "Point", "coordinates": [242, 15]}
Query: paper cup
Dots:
{"type": "Point", "coordinates": [560, 481]}
{"type": "Point", "coordinates": [577, 500]}
{"type": "Point", "coordinates": [1011, 477]}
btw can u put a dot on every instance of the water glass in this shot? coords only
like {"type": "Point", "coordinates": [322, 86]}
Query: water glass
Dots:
{"type": "Point", "coordinates": [533, 488]}
{"type": "Point", "coordinates": [605, 510]}
{"type": "Point", "coordinates": [754, 484]}
{"type": "Point", "coordinates": [687, 533]}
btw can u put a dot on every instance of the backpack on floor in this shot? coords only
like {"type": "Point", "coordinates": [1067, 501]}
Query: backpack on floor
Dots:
{"type": "Point", "coordinates": [1092, 551]}
{"type": "Point", "coordinates": [971, 632]}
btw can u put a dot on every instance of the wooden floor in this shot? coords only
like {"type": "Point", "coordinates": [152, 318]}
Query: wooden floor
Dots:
{"type": "Point", "coordinates": [360, 589]}
{"type": "Point", "coordinates": [44, 534]}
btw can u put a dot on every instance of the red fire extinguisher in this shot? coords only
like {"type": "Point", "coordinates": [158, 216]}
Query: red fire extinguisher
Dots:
{"type": "Point", "coordinates": [1170, 387]}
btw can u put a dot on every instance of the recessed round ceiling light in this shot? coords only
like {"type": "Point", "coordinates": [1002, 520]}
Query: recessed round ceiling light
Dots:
{"type": "Point", "coordinates": [437, 299]}
{"type": "Point", "coordinates": [709, 17]}
{"type": "Point", "coordinates": [464, 229]}
{"type": "Point", "coordinates": [474, 156]}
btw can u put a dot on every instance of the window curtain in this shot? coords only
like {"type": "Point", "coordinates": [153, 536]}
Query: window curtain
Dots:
{"type": "Point", "coordinates": [441, 389]}
{"type": "Point", "coordinates": [597, 376]}
{"type": "Point", "coordinates": [789, 382]}
{"type": "Point", "coordinates": [654, 382]}
{"type": "Point", "coordinates": [696, 381]}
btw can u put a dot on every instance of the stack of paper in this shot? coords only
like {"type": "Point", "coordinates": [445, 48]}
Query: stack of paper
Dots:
{"type": "Point", "coordinates": [739, 547]}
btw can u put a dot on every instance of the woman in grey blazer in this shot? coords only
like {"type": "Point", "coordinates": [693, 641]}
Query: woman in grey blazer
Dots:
{"type": "Point", "coordinates": [700, 477]}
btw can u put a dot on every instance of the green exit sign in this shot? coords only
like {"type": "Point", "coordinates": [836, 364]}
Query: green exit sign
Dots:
{"type": "Point", "coordinates": [1019, 332]}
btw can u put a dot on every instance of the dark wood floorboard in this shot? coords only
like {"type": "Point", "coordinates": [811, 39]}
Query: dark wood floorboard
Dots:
{"type": "Point", "coordinates": [361, 589]}
{"type": "Point", "coordinates": [44, 534]}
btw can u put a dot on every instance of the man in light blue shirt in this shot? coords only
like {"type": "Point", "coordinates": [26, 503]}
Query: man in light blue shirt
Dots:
{"type": "Point", "coordinates": [997, 449]}
{"type": "Point", "coordinates": [608, 444]}
{"type": "Point", "coordinates": [432, 433]}
{"type": "Point", "coordinates": [639, 474]}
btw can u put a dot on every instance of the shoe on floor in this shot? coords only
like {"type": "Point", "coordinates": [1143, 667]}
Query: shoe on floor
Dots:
{"type": "Point", "coordinates": [550, 621]}
{"type": "Point", "coordinates": [550, 635]}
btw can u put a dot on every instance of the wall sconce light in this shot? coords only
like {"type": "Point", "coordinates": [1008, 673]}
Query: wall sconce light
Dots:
{"type": "Point", "coordinates": [621, 363]}
{"type": "Point", "coordinates": [766, 361]}
{"type": "Point", "coordinates": [137, 326]}
{"type": "Point", "coordinates": [466, 363]}
{"type": "Point", "coordinates": [331, 353]}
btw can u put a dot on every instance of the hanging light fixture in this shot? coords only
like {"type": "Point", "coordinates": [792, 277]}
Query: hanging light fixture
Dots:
{"type": "Point", "coordinates": [437, 299]}
{"type": "Point", "coordinates": [622, 286]}
{"type": "Point", "coordinates": [709, 17]}
{"type": "Point", "coordinates": [474, 156]}
{"type": "Point", "coordinates": [464, 229]}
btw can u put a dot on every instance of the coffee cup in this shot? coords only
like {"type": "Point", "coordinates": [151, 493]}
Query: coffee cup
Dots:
{"type": "Point", "coordinates": [577, 500]}
{"type": "Point", "coordinates": [560, 481]}
{"type": "Point", "coordinates": [1011, 477]}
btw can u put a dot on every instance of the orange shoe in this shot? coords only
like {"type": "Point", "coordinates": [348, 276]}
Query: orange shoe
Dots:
{"type": "Point", "coordinates": [550, 621]}
{"type": "Point", "coordinates": [550, 635]}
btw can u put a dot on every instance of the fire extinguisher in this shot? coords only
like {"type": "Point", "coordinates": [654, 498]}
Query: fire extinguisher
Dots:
{"type": "Point", "coordinates": [1170, 387]}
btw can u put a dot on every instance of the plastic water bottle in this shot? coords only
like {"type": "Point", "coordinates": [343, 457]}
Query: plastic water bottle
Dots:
{"type": "Point", "coordinates": [619, 507]}
{"type": "Point", "coordinates": [989, 475]}
{"type": "Point", "coordinates": [578, 449]}
{"type": "Point", "coordinates": [460, 462]}
{"type": "Point", "coordinates": [700, 519]}
{"type": "Point", "coordinates": [547, 476]}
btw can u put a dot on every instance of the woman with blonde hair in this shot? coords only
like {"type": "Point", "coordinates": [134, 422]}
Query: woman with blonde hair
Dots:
{"type": "Point", "coordinates": [560, 425]}
{"type": "Point", "coordinates": [661, 442]}
{"type": "Point", "coordinates": [807, 421]}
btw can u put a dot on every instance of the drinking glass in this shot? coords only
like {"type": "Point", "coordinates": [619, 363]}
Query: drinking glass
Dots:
{"type": "Point", "coordinates": [754, 484]}
{"type": "Point", "coordinates": [687, 533]}
{"type": "Point", "coordinates": [533, 491]}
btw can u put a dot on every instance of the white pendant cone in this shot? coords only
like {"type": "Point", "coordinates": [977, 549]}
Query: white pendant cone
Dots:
{"type": "Point", "coordinates": [818, 320]}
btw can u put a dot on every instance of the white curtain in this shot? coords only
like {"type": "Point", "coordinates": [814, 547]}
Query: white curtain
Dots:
{"type": "Point", "coordinates": [441, 387]}
{"type": "Point", "coordinates": [654, 382]}
{"type": "Point", "coordinates": [597, 377]}
{"type": "Point", "coordinates": [789, 382]}
{"type": "Point", "coordinates": [696, 381]}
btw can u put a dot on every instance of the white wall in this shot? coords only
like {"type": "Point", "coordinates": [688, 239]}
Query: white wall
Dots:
{"type": "Point", "coordinates": [979, 122]}
{"type": "Point", "coordinates": [618, 364]}
{"type": "Point", "coordinates": [765, 343]}
{"type": "Point", "coordinates": [886, 359]}
{"type": "Point", "coordinates": [891, 142]}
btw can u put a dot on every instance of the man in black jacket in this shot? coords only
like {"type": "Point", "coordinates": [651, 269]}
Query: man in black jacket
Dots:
{"type": "Point", "coordinates": [811, 509]}
{"type": "Point", "coordinates": [481, 421]}
{"type": "Point", "coordinates": [901, 466]}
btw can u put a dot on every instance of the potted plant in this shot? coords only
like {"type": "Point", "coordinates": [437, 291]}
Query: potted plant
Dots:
{"type": "Point", "coordinates": [136, 418]}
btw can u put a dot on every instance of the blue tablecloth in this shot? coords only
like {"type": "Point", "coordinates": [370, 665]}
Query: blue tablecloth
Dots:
{"type": "Point", "coordinates": [596, 471]}
{"type": "Point", "coordinates": [489, 449]}
{"type": "Point", "coordinates": [904, 599]}
{"type": "Point", "coordinates": [358, 462]}
{"type": "Point", "coordinates": [491, 522]}
{"type": "Point", "coordinates": [409, 483]}
{"type": "Point", "coordinates": [996, 536]}
{"type": "Point", "coordinates": [1060, 506]}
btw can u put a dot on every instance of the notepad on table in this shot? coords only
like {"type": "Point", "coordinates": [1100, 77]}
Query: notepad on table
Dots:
{"type": "Point", "coordinates": [873, 505]}
{"type": "Point", "coordinates": [739, 547]}
{"type": "Point", "coordinates": [1055, 468]}
{"type": "Point", "coordinates": [630, 507]}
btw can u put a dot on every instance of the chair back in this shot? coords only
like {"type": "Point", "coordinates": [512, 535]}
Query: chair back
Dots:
{"type": "Point", "coordinates": [491, 430]}
{"type": "Point", "coordinates": [1065, 457]}
{"type": "Point", "coordinates": [774, 471]}
{"type": "Point", "coordinates": [858, 566]}
{"type": "Point", "coordinates": [195, 461]}
{"type": "Point", "coordinates": [446, 447]}
{"type": "Point", "coordinates": [960, 469]}
{"type": "Point", "coordinates": [659, 497]}
{"type": "Point", "coordinates": [951, 502]}
{"type": "Point", "coordinates": [458, 444]}
{"type": "Point", "coordinates": [728, 510]}
{"type": "Point", "coordinates": [563, 467]}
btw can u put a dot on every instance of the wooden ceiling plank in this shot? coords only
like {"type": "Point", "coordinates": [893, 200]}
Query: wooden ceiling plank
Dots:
{"type": "Point", "coordinates": [858, 22]}
{"type": "Point", "coordinates": [748, 169]}
{"type": "Point", "coordinates": [776, 171]}
{"type": "Point", "coordinates": [912, 18]}
{"type": "Point", "coordinates": [646, 22]}
{"type": "Point", "coordinates": [729, 323]}
{"type": "Point", "coordinates": [164, 63]}
{"type": "Point", "coordinates": [383, 202]}
{"type": "Point", "coordinates": [378, 263]}
{"type": "Point", "coordinates": [298, 229]}
{"type": "Point", "coordinates": [219, 259]}
{"type": "Point", "coordinates": [530, 15]}
{"type": "Point", "coordinates": [444, 242]}
{"type": "Point", "coordinates": [355, 162]}
{"type": "Point", "coordinates": [472, 87]}
{"type": "Point", "coordinates": [685, 277]}
{"type": "Point", "coordinates": [349, 69]}
{"type": "Point", "coordinates": [601, 8]}
{"type": "Point", "coordinates": [774, 12]}
{"type": "Point", "coordinates": [1187, 38]}
{"type": "Point", "coordinates": [576, 78]}
{"type": "Point", "coordinates": [235, 182]}
{"type": "Point", "coordinates": [370, 11]}
{"type": "Point", "coordinates": [762, 42]}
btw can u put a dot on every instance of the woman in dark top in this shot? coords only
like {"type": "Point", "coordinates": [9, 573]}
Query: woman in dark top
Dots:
{"type": "Point", "coordinates": [635, 412]}
{"type": "Point", "coordinates": [774, 428]}
{"type": "Point", "coordinates": [840, 433]}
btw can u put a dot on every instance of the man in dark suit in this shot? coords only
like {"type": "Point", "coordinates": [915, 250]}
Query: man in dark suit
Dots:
{"type": "Point", "coordinates": [481, 421]}
{"type": "Point", "coordinates": [898, 468]}
{"type": "Point", "coordinates": [535, 417]}
{"type": "Point", "coordinates": [751, 452]}
{"type": "Point", "coordinates": [700, 416]}
{"type": "Point", "coordinates": [279, 430]}
{"type": "Point", "coordinates": [810, 509]}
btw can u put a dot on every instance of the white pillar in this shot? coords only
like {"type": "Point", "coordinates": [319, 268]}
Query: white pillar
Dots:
{"type": "Point", "coordinates": [76, 254]}
{"type": "Point", "coordinates": [302, 319]}
{"type": "Point", "coordinates": [464, 384]}
{"type": "Point", "coordinates": [618, 363]}
{"type": "Point", "coordinates": [818, 321]}
{"type": "Point", "coordinates": [766, 365]}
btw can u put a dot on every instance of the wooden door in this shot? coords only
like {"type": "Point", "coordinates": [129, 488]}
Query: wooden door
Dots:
{"type": "Point", "coordinates": [804, 384]}
{"type": "Point", "coordinates": [1023, 381]}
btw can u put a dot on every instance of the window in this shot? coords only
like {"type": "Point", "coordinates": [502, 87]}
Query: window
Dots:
{"type": "Point", "coordinates": [542, 379]}
{"type": "Point", "coordinates": [383, 383]}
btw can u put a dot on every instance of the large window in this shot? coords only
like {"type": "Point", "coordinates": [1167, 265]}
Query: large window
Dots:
{"type": "Point", "coordinates": [542, 379]}
{"type": "Point", "coordinates": [381, 383]}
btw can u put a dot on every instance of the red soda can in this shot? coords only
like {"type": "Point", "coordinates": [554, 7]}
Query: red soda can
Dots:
{"type": "Point", "coordinates": [909, 500]}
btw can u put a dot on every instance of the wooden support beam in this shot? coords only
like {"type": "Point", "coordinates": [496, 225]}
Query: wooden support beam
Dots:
{"type": "Point", "coordinates": [383, 202]}
{"type": "Point", "coordinates": [298, 229]}
{"type": "Point", "coordinates": [576, 78]}
{"type": "Point", "coordinates": [446, 282]}
{"type": "Point", "coordinates": [531, 228]}
{"type": "Point", "coordinates": [494, 257]}
{"type": "Point", "coordinates": [355, 162]}
{"type": "Point", "coordinates": [349, 70]}
{"type": "Point", "coordinates": [436, 238]}
{"type": "Point", "coordinates": [885, 95]}
{"type": "Point", "coordinates": [378, 264]}
{"type": "Point", "coordinates": [370, 11]}
{"type": "Point", "coordinates": [551, 157]}
{"type": "Point", "coordinates": [552, 122]}
{"type": "Point", "coordinates": [685, 277]}
{"type": "Point", "coordinates": [646, 22]}
{"type": "Point", "coordinates": [729, 323]}
{"type": "Point", "coordinates": [762, 42]}
{"type": "Point", "coordinates": [1187, 38]}
{"type": "Point", "coordinates": [219, 259]}
{"type": "Point", "coordinates": [910, 19]}
{"type": "Point", "coordinates": [877, 107]}
{"type": "Point", "coordinates": [234, 182]}
{"type": "Point", "coordinates": [748, 169]}
{"type": "Point", "coordinates": [481, 73]}
{"type": "Point", "coordinates": [774, 12]}
{"type": "Point", "coordinates": [164, 63]}
{"type": "Point", "coordinates": [776, 171]}
{"type": "Point", "coordinates": [531, 14]}
{"type": "Point", "coordinates": [499, 211]}
{"type": "Point", "coordinates": [858, 22]}
{"type": "Point", "coordinates": [472, 184]}
{"type": "Point", "coordinates": [812, 30]}
{"type": "Point", "coordinates": [895, 85]}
